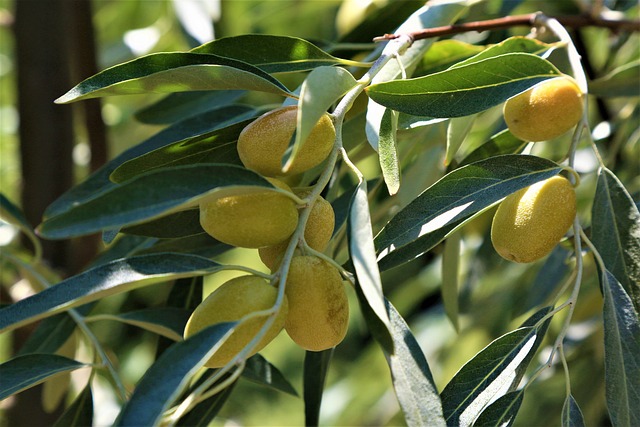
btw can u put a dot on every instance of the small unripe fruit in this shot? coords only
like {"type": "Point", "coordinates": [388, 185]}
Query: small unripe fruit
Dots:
{"type": "Point", "coordinates": [251, 220]}
{"type": "Point", "coordinates": [545, 111]}
{"type": "Point", "coordinates": [263, 142]}
{"type": "Point", "coordinates": [318, 307]}
{"type": "Point", "coordinates": [530, 222]}
{"type": "Point", "coordinates": [317, 233]}
{"type": "Point", "coordinates": [230, 302]}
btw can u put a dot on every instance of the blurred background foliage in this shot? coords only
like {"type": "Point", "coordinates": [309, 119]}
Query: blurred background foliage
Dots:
{"type": "Point", "coordinates": [495, 295]}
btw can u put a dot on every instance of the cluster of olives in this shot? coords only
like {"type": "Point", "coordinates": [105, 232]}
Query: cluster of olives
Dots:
{"type": "Point", "coordinates": [315, 310]}
{"type": "Point", "coordinates": [529, 223]}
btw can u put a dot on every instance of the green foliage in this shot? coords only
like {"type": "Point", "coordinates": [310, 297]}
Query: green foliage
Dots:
{"type": "Point", "coordinates": [420, 159]}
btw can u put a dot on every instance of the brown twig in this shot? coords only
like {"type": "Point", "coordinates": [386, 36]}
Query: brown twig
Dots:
{"type": "Point", "coordinates": [528, 20]}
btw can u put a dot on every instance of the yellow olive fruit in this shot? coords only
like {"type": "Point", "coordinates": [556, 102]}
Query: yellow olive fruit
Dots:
{"type": "Point", "coordinates": [230, 302]}
{"type": "Point", "coordinates": [530, 222]}
{"type": "Point", "coordinates": [317, 233]}
{"type": "Point", "coordinates": [545, 111]}
{"type": "Point", "coordinates": [250, 220]}
{"type": "Point", "coordinates": [263, 142]}
{"type": "Point", "coordinates": [318, 307]}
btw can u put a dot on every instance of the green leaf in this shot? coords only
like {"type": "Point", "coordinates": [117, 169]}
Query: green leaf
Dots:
{"type": "Point", "coordinates": [450, 272]}
{"type": "Point", "coordinates": [516, 44]}
{"type": "Point", "coordinates": [445, 53]}
{"type": "Point", "coordinates": [501, 143]}
{"type": "Point", "coordinates": [14, 216]}
{"type": "Point", "coordinates": [180, 224]}
{"type": "Point", "coordinates": [453, 199]}
{"type": "Point", "coordinates": [319, 91]}
{"type": "Point", "coordinates": [411, 376]}
{"type": "Point", "coordinates": [168, 322]}
{"type": "Point", "coordinates": [273, 54]}
{"type": "Point", "coordinates": [204, 412]}
{"type": "Point", "coordinates": [622, 353]}
{"type": "Point", "coordinates": [218, 146]}
{"type": "Point", "coordinates": [174, 72]}
{"type": "Point", "coordinates": [99, 282]}
{"type": "Point", "coordinates": [363, 258]}
{"type": "Point", "coordinates": [615, 232]}
{"type": "Point", "coordinates": [621, 82]}
{"type": "Point", "coordinates": [464, 90]}
{"type": "Point", "coordinates": [493, 372]}
{"type": "Point", "coordinates": [99, 181]}
{"type": "Point", "coordinates": [502, 412]}
{"type": "Point", "coordinates": [183, 105]}
{"type": "Point", "coordinates": [316, 365]}
{"type": "Point", "coordinates": [164, 380]}
{"type": "Point", "coordinates": [457, 131]}
{"type": "Point", "coordinates": [571, 413]}
{"type": "Point", "coordinates": [23, 372]}
{"type": "Point", "coordinates": [260, 371]}
{"type": "Point", "coordinates": [149, 196]}
{"type": "Point", "coordinates": [199, 244]}
{"type": "Point", "coordinates": [80, 413]}
{"type": "Point", "coordinates": [387, 153]}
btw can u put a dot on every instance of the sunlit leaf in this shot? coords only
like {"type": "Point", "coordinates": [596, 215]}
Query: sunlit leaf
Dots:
{"type": "Point", "coordinates": [453, 199]}
{"type": "Point", "coordinates": [99, 282]}
{"type": "Point", "coordinates": [26, 371]}
{"type": "Point", "coordinates": [387, 152]}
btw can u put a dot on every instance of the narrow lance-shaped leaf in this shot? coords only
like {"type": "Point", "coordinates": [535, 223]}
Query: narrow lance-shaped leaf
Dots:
{"type": "Point", "coordinates": [174, 72]}
{"type": "Point", "coordinates": [502, 412]}
{"type": "Point", "coordinates": [571, 413]}
{"type": "Point", "coordinates": [387, 153]}
{"type": "Point", "coordinates": [26, 371]}
{"type": "Point", "coordinates": [80, 413]}
{"type": "Point", "coordinates": [363, 258]}
{"type": "Point", "coordinates": [149, 196]}
{"type": "Point", "coordinates": [14, 216]}
{"type": "Point", "coordinates": [166, 379]}
{"type": "Point", "coordinates": [99, 282]}
{"type": "Point", "coordinates": [622, 353]}
{"type": "Point", "coordinates": [273, 54]}
{"type": "Point", "coordinates": [168, 322]}
{"type": "Point", "coordinates": [411, 376]}
{"type": "Point", "coordinates": [316, 365]}
{"type": "Point", "coordinates": [182, 105]}
{"type": "Point", "coordinates": [450, 272]}
{"type": "Point", "coordinates": [465, 90]}
{"type": "Point", "coordinates": [516, 44]}
{"type": "Point", "coordinates": [453, 199]}
{"type": "Point", "coordinates": [457, 131]}
{"type": "Point", "coordinates": [260, 371]}
{"type": "Point", "coordinates": [615, 232]}
{"type": "Point", "coordinates": [501, 143]}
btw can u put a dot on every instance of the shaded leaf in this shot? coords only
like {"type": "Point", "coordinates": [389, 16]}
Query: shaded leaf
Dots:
{"type": "Point", "coordinates": [272, 53]}
{"type": "Point", "coordinates": [464, 90]}
{"type": "Point", "coordinates": [316, 365]}
{"type": "Point", "coordinates": [260, 371]}
{"type": "Point", "coordinates": [174, 72]}
{"type": "Point", "coordinates": [445, 53]}
{"type": "Point", "coordinates": [180, 224]}
{"type": "Point", "coordinates": [182, 105]}
{"type": "Point", "coordinates": [516, 44]}
{"type": "Point", "coordinates": [12, 214]}
{"type": "Point", "coordinates": [80, 413]}
{"type": "Point", "coordinates": [148, 196]}
{"type": "Point", "coordinates": [622, 353]}
{"type": "Point", "coordinates": [167, 378]}
{"type": "Point", "coordinates": [457, 131]}
{"type": "Point", "coordinates": [450, 272]}
{"type": "Point", "coordinates": [453, 199]}
{"type": "Point", "coordinates": [571, 413]}
{"type": "Point", "coordinates": [168, 322]}
{"type": "Point", "coordinates": [615, 232]}
{"type": "Point", "coordinates": [23, 372]}
{"type": "Point", "coordinates": [411, 376]}
{"type": "Point", "coordinates": [198, 244]}
{"type": "Point", "coordinates": [99, 282]}
{"type": "Point", "coordinates": [501, 143]}
{"type": "Point", "coordinates": [502, 412]}
{"type": "Point", "coordinates": [621, 82]}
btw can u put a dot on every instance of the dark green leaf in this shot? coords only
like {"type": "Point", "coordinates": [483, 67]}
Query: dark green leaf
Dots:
{"type": "Point", "coordinates": [272, 54]}
{"type": "Point", "coordinates": [493, 372]}
{"type": "Point", "coordinates": [453, 199]}
{"type": "Point", "coordinates": [259, 370]}
{"type": "Point", "coordinates": [182, 105]}
{"type": "Point", "coordinates": [180, 224]}
{"type": "Point", "coordinates": [12, 214]}
{"type": "Point", "coordinates": [501, 143]}
{"type": "Point", "coordinates": [316, 365]}
{"type": "Point", "coordinates": [621, 82]}
{"type": "Point", "coordinates": [411, 376]}
{"type": "Point", "coordinates": [218, 146]}
{"type": "Point", "coordinates": [148, 196]}
{"type": "Point", "coordinates": [198, 244]}
{"type": "Point", "coordinates": [450, 273]}
{"type": "Point", "coordinates": [108, 279]}
{"type": "Point", "coordinates": [80, 413]}
{"type": "Point", "coordinates": [204, 412]}
{"type": "Point", "coordinates": [363, 258]}
{"type": "Point", "coordinates": [622, 353]}
{"type": "Point", "coordinates": [164, 380]}
{"type": "Point", "coordinates": [174, 72]}
{"type": "Point", "coordinates": [52, 333]}
{"type": "Point", "coordinates": [502, 412]}
{"type": "Point", "coordinates": [510, 45]}
{"type": "Point", "coordinates": [165, 321]}
{"type": "Point", "coordinates": [193, 127]}
{"type": "Point", "coordinates": [445, 53]}
{"type": "Point", "coordinates": [571, 413]}
{"type": "Point", "coordinates": [465, 90]}
{"type": "Point", "coordinates": [615, 232]}
{"type": "Point", "coordinates": [23, 372]}
{"type": "Point", "coordinates": [387, 153]}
